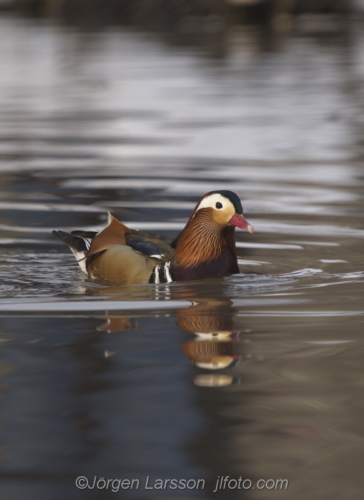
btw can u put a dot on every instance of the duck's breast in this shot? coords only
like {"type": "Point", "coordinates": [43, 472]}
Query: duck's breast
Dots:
{"type": "Point", "coordinates": [223, 265]}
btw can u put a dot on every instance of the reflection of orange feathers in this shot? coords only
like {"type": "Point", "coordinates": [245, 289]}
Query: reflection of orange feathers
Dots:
{"type": "Point", "coordinates": [207, 317]}
{"type": "Point", "coordinates": [206, 351]}
{"type": "Point", "coordinates": [212, 321]}
{"type": "Point", "coordinates": [204, 323]}
{"type": "Point", "coordinates": [112, 325]}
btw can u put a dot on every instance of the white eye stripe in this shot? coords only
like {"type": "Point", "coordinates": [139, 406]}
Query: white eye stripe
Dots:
{"type": "Point", "coordinates": [212, 200]}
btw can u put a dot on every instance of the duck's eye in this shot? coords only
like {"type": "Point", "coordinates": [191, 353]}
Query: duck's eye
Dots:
{"type": "Point", "coordinates": [218, 205]}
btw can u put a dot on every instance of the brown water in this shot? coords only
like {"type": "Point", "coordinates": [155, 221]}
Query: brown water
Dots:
{"type": "Point", "coordinates": [259, 375]}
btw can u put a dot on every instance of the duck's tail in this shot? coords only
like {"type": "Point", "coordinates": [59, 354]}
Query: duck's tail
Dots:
{"type": "Point", "coordinates": [79, 242]}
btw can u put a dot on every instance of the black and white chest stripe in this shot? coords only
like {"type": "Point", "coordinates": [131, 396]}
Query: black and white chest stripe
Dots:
{"type": "Point", "coordinates": [161, 273]}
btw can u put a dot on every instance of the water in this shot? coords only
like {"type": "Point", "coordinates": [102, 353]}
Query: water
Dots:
{"type": "Point", "coordinates": [258, 375]}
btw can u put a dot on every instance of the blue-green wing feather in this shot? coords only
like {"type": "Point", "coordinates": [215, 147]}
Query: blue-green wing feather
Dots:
{"type": "Point", "coordinates": [150, 244]}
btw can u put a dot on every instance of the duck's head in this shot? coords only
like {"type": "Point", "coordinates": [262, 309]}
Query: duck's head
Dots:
{"type": "Point", "coordinates": [223, 208]}
{"type": "Point", "coordinates": [210, 230]}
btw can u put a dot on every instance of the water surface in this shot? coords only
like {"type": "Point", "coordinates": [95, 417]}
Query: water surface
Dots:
{"type": "Point", "coordinates": [257, 375]}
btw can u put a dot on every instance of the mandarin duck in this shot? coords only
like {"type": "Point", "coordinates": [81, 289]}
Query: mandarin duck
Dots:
{"type": "Point", "coordinates": [205, 248]}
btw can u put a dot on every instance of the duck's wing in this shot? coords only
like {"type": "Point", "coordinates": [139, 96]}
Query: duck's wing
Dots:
{"type": "Point", "coordinates": [152, 245]}
{"type": "Point", "coordinates": [109, 254]}
{"type": "Point", "coordinates": [116, 233]}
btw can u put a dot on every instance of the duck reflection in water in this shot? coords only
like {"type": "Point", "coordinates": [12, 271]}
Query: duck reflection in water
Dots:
{"type": "Point", "coordinates": [115, 324]}
{"type": "Point", "coordinates": [217, 345]}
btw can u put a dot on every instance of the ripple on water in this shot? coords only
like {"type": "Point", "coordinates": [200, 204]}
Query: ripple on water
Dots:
{"type": "Point", "coordinates": [91, 306]}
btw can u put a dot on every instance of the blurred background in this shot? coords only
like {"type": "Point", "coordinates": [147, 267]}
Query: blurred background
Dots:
{"type": "Point", "coordinates": [169, 14]}
{"type": "Point", "coordinates": [140, 107]}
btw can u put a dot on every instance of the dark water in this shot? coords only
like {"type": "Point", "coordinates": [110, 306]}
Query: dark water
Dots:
{"type": "Point", "coordinates": [259, 375]}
